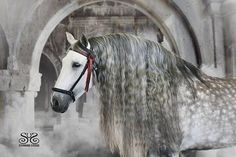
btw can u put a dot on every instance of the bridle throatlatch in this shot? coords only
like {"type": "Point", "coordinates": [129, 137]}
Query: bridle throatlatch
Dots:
{"type": "Point", "coordinates": [89, 67]}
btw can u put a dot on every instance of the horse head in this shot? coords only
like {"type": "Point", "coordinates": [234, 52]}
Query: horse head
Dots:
{"type": "Point", "coordinates": [75, 75]}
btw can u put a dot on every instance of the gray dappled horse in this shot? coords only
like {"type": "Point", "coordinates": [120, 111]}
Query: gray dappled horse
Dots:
{"type": "Point", "coordinates": [153, 103]}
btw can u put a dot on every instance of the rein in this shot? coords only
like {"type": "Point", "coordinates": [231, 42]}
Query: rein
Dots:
{"type": "Point", "coordinates": [89, 67]}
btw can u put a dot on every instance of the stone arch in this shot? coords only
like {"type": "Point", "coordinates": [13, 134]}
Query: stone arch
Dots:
{"type": "Point", "coordinates": [68, 9]}
{"type": "Point", "coordinates": [164, 17]}
{"type": "Point", "coordinates": [4, 49]}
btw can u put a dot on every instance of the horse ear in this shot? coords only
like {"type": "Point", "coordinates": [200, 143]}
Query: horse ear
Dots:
{"type": "Point", "coordinates": [70, 38]}
{"type": "Point", "coordinates": [84, 41]}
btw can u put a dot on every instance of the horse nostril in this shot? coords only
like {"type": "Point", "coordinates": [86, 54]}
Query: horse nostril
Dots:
{"type": "Point", "coordinates": [55, 103]}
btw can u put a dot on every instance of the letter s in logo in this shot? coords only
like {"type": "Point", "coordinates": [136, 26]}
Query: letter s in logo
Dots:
{"type": "Point", "coordinates": [24, 138]}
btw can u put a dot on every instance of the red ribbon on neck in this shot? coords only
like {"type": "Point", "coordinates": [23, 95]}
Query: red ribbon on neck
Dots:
{"type": "Point", "coordinates": [89, 71]}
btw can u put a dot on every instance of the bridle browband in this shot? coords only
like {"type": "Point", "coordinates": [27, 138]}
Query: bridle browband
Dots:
{"type": "Point", "coordinates": [89, 66]}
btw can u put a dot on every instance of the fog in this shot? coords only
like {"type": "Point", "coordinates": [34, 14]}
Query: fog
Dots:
{"type": "Point", "coordinates": [73, 137]}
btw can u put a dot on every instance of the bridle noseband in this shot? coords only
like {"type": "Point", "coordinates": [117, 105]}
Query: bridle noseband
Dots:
{"type": "Point", "coordinates": [89, 66]}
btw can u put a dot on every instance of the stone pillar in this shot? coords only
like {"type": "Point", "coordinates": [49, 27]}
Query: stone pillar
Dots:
{"type": "Point", "coordinates": [215, 9]}
{"type": "Point", "coordinates": [229, 16]}
{"type": "Point", "coordinates": [18, 111]}
{"type": "Point", "coordinates": [17, 105]}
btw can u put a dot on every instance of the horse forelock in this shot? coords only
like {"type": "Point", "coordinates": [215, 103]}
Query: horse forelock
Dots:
{"type": "Point", "coordinates": [137, 79]}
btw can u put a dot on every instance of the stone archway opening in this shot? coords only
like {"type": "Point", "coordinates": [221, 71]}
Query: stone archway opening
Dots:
{"type": "Point", "coordinates": [92, 20]}
{"type": "Point", "coordinates": [74, 5]}
{"type": "Point", "coordinates": [166, 18]}
{"type": "Point", "coordinates": [102, 18]}
{"type": "Point", "coordinates": [45, 118]}
{"type": "Point", "coordinates": [98, 18]}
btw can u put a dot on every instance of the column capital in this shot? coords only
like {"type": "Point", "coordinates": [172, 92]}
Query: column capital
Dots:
{"type": "Point", "coordinates": [18, 81]}
{"type": "Point", "coordinates": [214, 6]}
{"type": "Point", "coordinates": [215, 1]}
{"type": "Point", "coordinates": [35, 81]}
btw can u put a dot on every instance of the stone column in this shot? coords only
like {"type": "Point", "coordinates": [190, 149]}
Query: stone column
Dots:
{"type": "Point", "coordinates": [215, 9]}
{"type": "Point", "coordinates": [17, 105]}
{"type": "Point", "coordinates": [229, 14]}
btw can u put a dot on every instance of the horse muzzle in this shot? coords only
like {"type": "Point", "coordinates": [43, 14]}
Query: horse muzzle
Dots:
{"type": "Point", "coordinates": [60, 102]}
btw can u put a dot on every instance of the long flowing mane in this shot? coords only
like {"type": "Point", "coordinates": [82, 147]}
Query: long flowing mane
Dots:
{"type": "Point", "coordinates": [153, 103]}
{"type": "Point", "coordinates": [139, 82]}
{"type": "Point", "coordinates": [121, 46]}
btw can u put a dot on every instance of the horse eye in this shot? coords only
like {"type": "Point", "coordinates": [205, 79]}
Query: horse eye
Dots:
{"type": "Point", "coordinates": [76, 65]}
